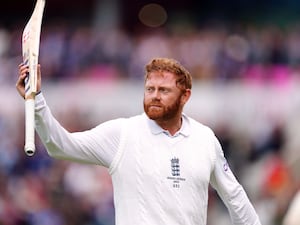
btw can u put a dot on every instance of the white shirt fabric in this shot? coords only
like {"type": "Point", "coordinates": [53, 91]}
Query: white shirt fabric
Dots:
{"type": "Point", "coordinates": [292, 216]}
{"type": "Point", "coordinates": [158, 179]}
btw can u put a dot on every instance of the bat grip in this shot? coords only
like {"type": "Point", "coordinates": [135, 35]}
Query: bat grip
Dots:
{"type": "Point", "coordinates": [29, 147]}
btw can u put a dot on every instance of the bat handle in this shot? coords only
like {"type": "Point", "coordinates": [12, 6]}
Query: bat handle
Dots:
{"type": "Point", "coordinates": [29, 147]}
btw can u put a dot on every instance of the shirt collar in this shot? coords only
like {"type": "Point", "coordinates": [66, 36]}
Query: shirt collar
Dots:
{"type": "Point", "coordinates": [184, 130]}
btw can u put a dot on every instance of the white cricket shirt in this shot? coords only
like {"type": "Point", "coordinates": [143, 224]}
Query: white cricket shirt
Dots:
{"type": "Point", "coordinates": [158, 179]}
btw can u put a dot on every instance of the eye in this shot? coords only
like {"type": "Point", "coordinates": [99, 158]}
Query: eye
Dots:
{"type": "Point", "coordinates": [164, 90]}
{"type": "Point", "coordinates": [149, 89]}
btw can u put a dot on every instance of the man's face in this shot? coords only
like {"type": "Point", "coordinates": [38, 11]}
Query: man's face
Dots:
{"type": "Point", "coordinates": [162, 98]}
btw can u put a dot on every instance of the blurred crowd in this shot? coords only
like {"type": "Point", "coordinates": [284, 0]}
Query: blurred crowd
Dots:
{"type": "Point", "coordinates": [211, 52]}
{"type": "Point", "coordinates": [39, 190]}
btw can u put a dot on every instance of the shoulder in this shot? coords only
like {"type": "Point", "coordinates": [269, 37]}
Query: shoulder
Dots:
{"type": "Point", "coordinates": [115, 127]}
{"type": "Point", "coordinates": [137, 120]}
{"type": "Point", "coordinates": [205, 136]}
{"type": "Point", "coordinates": [123, 121]}
{"type": "Point", "coordinates": [112, 123]}
{"type": "Point", "coordinates": [197, 126]}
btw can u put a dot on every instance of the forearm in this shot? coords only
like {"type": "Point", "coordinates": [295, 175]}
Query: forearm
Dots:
{"type": "Point", "coordinates": [240, 208]}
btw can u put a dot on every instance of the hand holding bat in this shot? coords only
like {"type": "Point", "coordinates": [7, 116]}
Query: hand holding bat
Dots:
{"type": "Point", "coordinates": [28, 72]}
{"type": "Point", "coordinates": [23, 73]}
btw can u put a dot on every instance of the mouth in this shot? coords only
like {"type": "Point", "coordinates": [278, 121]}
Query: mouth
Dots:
{"type": "Point", "coordinates": [155, 106]}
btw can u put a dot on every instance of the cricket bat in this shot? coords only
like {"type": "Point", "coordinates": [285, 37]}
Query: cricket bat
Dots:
{"type": "Point", "coordinates": [30, 53]}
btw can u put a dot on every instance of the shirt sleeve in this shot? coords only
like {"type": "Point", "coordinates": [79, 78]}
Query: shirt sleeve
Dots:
{"type": "Point", "coordinates": [231, 192]}
{"type": "Point", "coordinates": [292, 216]}
{"type": "Point", "coordinates": [97, 146]}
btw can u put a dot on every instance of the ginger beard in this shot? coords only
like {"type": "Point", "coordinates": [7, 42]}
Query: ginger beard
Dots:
{"type": "Point", "coordinates": [155, 110]}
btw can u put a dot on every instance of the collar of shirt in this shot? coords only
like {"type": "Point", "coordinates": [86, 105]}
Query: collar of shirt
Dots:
{"type": "Point", "coordinates": [184, 130]}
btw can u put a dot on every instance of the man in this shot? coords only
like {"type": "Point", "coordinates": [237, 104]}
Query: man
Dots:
{"type": "Point", "coordinates": [161, 162]}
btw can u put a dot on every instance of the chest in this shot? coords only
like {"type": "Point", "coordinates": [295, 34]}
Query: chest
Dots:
{"type": "Point", "coordinates": [175, 163]}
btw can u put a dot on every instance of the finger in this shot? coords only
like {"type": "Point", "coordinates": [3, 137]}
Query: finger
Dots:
{"type": "Point", "coordinates": [20, 81]}
{"type": "Point", "coordinates": [23, 70]}
{"type": "Point", "coordinates": [22, 66]}
{"type": "Point", "coordinates": [23, 76]}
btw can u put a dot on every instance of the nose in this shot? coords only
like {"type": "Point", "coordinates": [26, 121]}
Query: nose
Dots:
{"type": "Point", "coordinates": [156, 95]}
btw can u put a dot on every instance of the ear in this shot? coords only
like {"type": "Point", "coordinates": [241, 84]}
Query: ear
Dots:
{"type": "Point", "coordinates": [186, 96]}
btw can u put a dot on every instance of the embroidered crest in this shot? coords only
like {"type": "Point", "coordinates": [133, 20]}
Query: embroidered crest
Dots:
{"type": "Point", "coordinates": [175, 167]}
{"type": "Point", "coordinates": [175, 173]}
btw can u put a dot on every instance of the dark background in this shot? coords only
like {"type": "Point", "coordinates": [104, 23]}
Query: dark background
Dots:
{"type": "Point", "coordinates": [279, 12]}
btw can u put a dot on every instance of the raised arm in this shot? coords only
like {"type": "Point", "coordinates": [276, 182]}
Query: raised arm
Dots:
{"type": "Point", "coordinates": [96, 146]}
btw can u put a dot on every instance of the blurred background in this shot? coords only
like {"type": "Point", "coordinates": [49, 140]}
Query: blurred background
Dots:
{"type": "Point", "coordinates": [244, 56]}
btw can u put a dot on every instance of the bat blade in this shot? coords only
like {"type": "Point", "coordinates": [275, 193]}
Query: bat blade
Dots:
{"type": "Point", "coordinates": [30, 53]}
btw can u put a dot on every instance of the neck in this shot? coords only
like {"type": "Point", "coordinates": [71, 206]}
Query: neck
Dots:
{"type": "Point", "coordinates": [173, 125]}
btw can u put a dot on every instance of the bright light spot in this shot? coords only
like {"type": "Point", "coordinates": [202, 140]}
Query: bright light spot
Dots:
{"type": "Point", "coordinates": [237, 47]}
{"type": "Point", "coordinates": [153, 15]}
